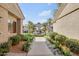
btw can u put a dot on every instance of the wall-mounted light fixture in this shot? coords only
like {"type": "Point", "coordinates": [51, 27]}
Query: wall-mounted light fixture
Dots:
{"type": "Point", "coordinates": [0, 17]}
{"type": "Point", "coordinates": [0, 33]}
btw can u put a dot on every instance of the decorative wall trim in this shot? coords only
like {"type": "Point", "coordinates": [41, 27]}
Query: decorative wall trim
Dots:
{"type": "Point", "coordinates": [66, 14]}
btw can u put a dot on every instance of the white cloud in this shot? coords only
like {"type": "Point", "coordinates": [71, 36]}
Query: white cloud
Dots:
{"type": "Point", "coordinates": [45, 13]}
{"type": "Point", "coordinates": [49, 4]}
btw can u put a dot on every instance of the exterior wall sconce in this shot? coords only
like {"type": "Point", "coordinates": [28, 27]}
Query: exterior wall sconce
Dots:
{"type": "Point", "coordinates": [0, 33]}
{"type": "Point", "coordinates": [0, 17]}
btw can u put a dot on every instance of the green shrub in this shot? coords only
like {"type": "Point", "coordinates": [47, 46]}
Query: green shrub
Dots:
{"type": "Point", "coordinates": [4, 48]}
{"type": "Point", "coordinates": [65, 50]}
{"type": "Point", "coordinates": [52, 35]}
{"type": "Point", "coordinates": [39, 35]}
{"type": "Point", "coordinates": [47, 37]}
{"type": "Point", "coordinates": [26, 47]}
{"type": "Point", "coordinates": [73, 44]}
{"type": "Point", "coordinates": [60, 38]}
{"type": "Point", "coordinates": [15, 39]}
{"type": "Point", "coordinates": [66, 53]}
{"type": "Point", "coordinates": [28, 37]}
{"type": "Point", "coordinates": [22, 37]}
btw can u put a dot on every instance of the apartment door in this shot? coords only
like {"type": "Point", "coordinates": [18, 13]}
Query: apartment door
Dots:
{"type": "Point", "coordinates": [14, 27]}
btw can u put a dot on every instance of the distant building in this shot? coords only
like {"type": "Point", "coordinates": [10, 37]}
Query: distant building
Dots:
{"type": "Point", "coordinates": [38, 29]}
{"type": "Point", "coordinates": [49, 28]}
{"type": "Point", "coordinates": [25, 29]}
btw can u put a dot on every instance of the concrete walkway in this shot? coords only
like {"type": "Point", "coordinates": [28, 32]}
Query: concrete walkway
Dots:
{"type": "Point", "coordinates": [39, 48]}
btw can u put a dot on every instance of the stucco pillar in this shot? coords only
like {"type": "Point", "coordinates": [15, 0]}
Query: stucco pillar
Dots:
{"type": "Point", "coordinates": [19, 26]}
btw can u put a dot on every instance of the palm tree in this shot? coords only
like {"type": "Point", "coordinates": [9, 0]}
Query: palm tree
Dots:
{"type": "Point", "coordinates": [50, 24]}
{"type": "Point", "coordinates": [49, 21]}
{"type": "Point", "coordinates": [44, 27]}
{"type": "Point", "coordinates": [30, 27]}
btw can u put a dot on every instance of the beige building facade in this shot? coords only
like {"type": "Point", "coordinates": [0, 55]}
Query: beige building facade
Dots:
{"type": "Point", "coordinates": [11, 19]}
{"type": "Point", "coordinates": [67, 20]}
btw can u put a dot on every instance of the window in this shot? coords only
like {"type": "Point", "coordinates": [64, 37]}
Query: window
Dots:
{"type": "Point", "coordinates": [11, 26]}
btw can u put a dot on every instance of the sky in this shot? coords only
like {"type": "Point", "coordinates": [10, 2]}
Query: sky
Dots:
{"type": "Point", "coordinates": [37, 12]}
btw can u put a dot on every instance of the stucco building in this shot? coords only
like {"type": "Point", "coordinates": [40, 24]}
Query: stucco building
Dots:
{"type": "Point", "coordinates": [11, 18]}
{"type": "Point", "coordinates": [67, 20]}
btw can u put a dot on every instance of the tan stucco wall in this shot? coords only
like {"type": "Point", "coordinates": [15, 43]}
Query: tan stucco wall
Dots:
{"type": "Point", "coordinates": [18, 25]}
{"type": "Point", "coordinates": [12, 18]}
{"type": "Point", "coordinates": [69, 7]}
{"type": "Point", "coordinates": [13, 8]}
{"type": "Point", "coordinates": [12, 12]}
{"type": "Point", "coordinates": [3, 25]}
{"type": "Point", "coordinates": [59, 10]}
{"type": "Point", "coordinates": [68, 25]}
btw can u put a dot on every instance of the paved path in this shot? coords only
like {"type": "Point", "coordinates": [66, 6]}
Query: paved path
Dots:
{"type": "Point", "coordinates": [39, 48]}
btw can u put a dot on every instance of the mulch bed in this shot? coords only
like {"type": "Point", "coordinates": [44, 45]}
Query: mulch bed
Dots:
{"type": "Point", "coordinates": [17, 48]}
